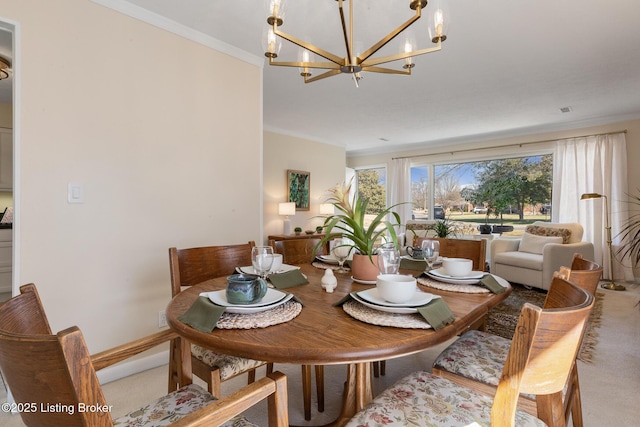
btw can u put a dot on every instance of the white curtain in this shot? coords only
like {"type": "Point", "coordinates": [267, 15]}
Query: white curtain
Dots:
{"type": "Point", "coordinates": [594, 164]}
{"type": "Point", "coordinates": [399, 187]}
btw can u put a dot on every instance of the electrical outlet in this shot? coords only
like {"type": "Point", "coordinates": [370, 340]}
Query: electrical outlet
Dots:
{"type": "Point", "coordinates": [162, 319]}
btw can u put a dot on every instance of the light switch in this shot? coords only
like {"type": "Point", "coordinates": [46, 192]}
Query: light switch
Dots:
{"type": "Point", "coordinates": [75, 193]}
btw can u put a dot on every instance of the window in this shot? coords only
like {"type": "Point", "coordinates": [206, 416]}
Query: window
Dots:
{"type": "Point", "coordinates": [371, 183]}
{"type": "Point", "coordinates": [516, 189]}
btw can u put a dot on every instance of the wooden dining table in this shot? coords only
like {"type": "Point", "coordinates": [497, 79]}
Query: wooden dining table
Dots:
{"type": "Point", "coordinates": [324, 334]}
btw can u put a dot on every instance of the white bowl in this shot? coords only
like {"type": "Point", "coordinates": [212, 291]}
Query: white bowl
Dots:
{"type": "Point", "coordinates": [396, 288]}
{"type": "Point", "coordinates": [457, 267]}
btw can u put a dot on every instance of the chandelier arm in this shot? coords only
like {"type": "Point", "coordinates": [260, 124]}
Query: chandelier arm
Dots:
{"type": "Point", "coordinates": [373, 49]}
{"type": "Point", "coordinates": [318, 51]}
{"type": "Point", "coordinates": [396, 57]}
{"type": "Point", "coordinates": [344, 29]}
{"type": "Point", "coordinates": [320, 65]}
{"type": "Point", "coordinates": [386, 70]}
{"type": "Point", "coordinates": [329, 73]}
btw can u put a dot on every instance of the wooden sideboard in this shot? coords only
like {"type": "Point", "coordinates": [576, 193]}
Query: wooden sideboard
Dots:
{"type": "Point", "coordinates": [300, 236]}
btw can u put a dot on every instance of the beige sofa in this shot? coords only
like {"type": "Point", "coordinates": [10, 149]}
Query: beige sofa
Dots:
{"type": "Point", "coordinates": [543, 249]}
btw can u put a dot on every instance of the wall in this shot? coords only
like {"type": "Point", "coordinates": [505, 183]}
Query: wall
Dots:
{"type": "Point", "coordinates": [326, 163]}
{"type": "Point", "coordinates": [154, 127]}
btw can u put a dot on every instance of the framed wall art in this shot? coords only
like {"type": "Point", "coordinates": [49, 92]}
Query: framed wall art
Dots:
{"type": "Point", "coordinates": [299, 188]}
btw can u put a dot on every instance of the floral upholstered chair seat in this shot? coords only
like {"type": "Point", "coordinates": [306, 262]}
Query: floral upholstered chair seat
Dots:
{"type": "Point", "coordinates": [423, 399]}
{"type": "Point", "coordinates": [476, 355]}
{"type": "Point", "coordinates": [229, 366]}
{"type": "Point", "coordinates": [172, 407]}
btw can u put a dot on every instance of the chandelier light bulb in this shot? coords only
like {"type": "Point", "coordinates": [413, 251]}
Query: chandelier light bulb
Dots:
{"type": "Point", "coordinates": [305, 57]}
{"type": "Point", "coordinates": [408, 48]}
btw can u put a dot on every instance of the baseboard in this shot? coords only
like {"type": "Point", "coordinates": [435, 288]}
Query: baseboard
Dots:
{"type": "Point", "coordinates": [126, 369]}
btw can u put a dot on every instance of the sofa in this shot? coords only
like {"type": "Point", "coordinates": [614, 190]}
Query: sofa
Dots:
{"type": "Point", "coordinates": [542, 249]}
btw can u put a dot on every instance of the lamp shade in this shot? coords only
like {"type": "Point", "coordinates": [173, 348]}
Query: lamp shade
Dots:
{"type": "Point", "coordinates": [326, 209]}
{"type": "Point", "coordinates": [590, 196]}
{"type": "Point", "coordinates": [287, 208]}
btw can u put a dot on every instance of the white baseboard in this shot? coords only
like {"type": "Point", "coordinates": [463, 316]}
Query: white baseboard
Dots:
{"type": "Point", "coordinates": [126, 369]}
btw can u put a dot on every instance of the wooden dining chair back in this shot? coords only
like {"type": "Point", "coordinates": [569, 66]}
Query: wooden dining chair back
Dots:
{"type": "Point", "coordinates": [298, 251]}
{"type": "Point", "coordinates": [196, 265]}
{"type": "Point", "coordinates": [583, 273]}
{"type": "Point", "coordinates": [538, 362]}
{"type": "Point", "coordinates": [193, 266]}
{"type": "Point", "coordinates": [474, 250]}
{"type": "Point", "coordinates": [53, 376]}
{"type": "Point", "coordinates": [542, 354]}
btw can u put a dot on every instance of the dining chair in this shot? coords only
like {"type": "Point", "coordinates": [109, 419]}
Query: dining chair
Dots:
{"type": "Point", "coordinates": [539, 362]}
{"type": "Point", "coordinates": [53, 378]}
{"type": "Point", "coordinates": [300, 251]}
{"type": "Point", "coordinates": [476, 359]}
{"type": "Point", "coordinates": [474, 250]}
{"type": "Point", "coordinates": [193, 266]}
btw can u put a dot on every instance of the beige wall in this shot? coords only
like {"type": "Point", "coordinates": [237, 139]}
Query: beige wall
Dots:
{"type": "Point", "coordinates": [326, 163]}
{"type": "Point", "coordinates": [155, 127]}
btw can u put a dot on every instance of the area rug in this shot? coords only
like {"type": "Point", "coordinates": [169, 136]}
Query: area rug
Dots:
{"type": "Point", "coordinates": [502, 319]}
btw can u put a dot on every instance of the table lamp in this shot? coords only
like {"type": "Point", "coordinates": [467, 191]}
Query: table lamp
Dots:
{"type": "Point", "coordinates": [612, 285]}
{"type": "Point", "coordinates": [326, 209]}
{"type": "Point", "coordinates": [287, 209]}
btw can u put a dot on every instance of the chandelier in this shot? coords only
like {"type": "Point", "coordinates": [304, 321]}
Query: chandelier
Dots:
{"type": "Point", "coordinates": [353, 63]}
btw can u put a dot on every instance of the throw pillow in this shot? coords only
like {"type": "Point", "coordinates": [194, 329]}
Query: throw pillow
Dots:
{"type": "Point", "coordinates": [565, 233]}
{"type": "Point", "coordinates": [534, 244]}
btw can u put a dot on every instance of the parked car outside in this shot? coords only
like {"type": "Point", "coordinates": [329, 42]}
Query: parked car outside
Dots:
{"type": "Point", "coordinates": [479, 210]}
{"type": "Point", "coordinates": [438, 212]}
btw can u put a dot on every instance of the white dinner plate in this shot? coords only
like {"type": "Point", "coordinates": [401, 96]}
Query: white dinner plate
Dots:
{"type": "Point", "coordinates": [452, 280]}
{"type": "Point", "coordinates": [249, 308]}
{"type": "Point", "coordinates": [397, 310]}
{"type": "Point", "coordinates": [439, 260]}
{"type": "Point", "coordinates": [220, 298]}
{"type": "Point", "coordinates": [372, 295]}
{"type": "Point", "coordinates": [363, 282]}
{"type": "Point", "coordinates": [283, 269]}
{"type": "Point", "coordinates": [474, 274]}
{"type": "Point", "coordinates": [329, 259]}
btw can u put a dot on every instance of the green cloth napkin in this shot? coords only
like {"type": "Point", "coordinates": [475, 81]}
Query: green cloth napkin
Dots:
{"type": "Point", "coordinates": [437, 313]}
{"type": "Point", "coordinates": [288, 279]}
{"type": "Point", "coordinates": [202, 315]}
{"type": "Point", "coordinates": [492, 284]}
{"type": "Point", "coordinates": [413, 264]}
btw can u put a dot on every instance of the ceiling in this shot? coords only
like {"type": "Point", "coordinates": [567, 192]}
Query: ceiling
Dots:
{"type": "Point", "coordinates": [506, 69]}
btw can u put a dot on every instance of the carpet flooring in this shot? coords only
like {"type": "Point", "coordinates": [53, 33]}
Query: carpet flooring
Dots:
{"type": "Point", "coordinates": [503, 318]}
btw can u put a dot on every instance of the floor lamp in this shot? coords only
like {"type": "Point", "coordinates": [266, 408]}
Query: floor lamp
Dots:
{"type": "Point", "coordinates": [612, 285]}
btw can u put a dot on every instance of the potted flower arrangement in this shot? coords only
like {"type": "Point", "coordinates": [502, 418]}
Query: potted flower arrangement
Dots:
{"type": "Point", "coordinates": [349, 223]}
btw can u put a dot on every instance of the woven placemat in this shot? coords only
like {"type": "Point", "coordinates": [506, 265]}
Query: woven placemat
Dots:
{"type": "Point", "coordinates": [467, 289]}
{"type": "Point", "coordinates": [324, 265]}
{"type": "Point", "coordinates": [280, 314]}
{"type": "Point", "coordinates": [382, 318]}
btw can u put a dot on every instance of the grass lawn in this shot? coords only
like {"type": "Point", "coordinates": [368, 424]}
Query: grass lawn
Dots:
{"type": "Point", "coordinates": [508, 219]}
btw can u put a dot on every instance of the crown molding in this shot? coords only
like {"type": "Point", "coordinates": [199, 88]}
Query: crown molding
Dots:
{"type": "Point", "coordinates": [174, 27]}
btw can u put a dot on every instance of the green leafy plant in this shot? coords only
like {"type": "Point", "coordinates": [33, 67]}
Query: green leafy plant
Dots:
{"type": "Point", "coordinates": [630, 234]}
{"type": "Point", "coordinates": [445, 228]}
{"type": "Point", "coordinates": [350, 222]}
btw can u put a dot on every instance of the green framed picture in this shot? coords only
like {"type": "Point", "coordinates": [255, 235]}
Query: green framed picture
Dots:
{"type": "Point", "coordinates": [298, 188]}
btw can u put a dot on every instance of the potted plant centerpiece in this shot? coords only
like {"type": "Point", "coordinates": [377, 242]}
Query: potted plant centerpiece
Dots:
{"type": "Point", "coordinates": [364, 239]}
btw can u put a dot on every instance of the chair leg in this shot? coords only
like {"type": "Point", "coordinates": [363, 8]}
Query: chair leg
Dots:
{"type": "Point", "coordinates": [173, 365]}
{"type": "Point", "coordinates": [269, 368]}
{"type": "Point", "coordinates": [376, 369]}
{"type": "Point", "coordinates": [306, 391]}
{"type": "Point", "coordinates": [320, 387]}
{"type": "Point", "coordinates": [576, 400]}
{"type": "Point", "coordinates": [251, 376]}
{"type": "Point", "coordinates": [383, 367]}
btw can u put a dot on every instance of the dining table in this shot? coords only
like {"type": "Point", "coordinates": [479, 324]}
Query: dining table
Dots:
{"type": "Point", "coordinates": [323, 333]}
